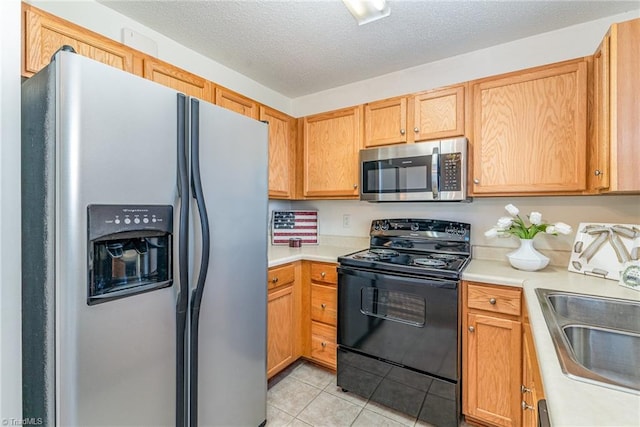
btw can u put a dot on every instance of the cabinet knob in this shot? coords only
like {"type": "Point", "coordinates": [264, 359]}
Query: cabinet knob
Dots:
{"type": "Point", "coordinates": [274, 280]}
{"type": "Point", "coordinates": [323, 305]}
{"type": "Point", "coordinates": [524, 389]}
{"type": "Point", "coordinates": [402, 132]}
{"type": "Point", "coordinates": [323, 344]}
{"type": "Point", "coordinates": [355, 186]}
{"type": "Point", "coordinates": [323, 274]}
{"type": "Point", "coordinates": [472, 329]}
{"type": "Point", "coordinates": [416, 130]}
{"type": "Point", "coordinates": [492, 301]}
{"type": "Point", "coordinates": [598, 172]}
{"type": "Point", "coordinates": [476, 181]}
{"type": "Point", "coordinates": [526, 406]}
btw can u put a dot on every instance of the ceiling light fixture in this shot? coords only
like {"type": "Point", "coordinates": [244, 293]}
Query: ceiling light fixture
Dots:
{"type": "Point", "coordinates": [366, 11]}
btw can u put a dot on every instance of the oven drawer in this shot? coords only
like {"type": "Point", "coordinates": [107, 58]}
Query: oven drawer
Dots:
{"type": "Point", "coordinates": [324, 303]}
{"type": "Point", "coordinates": [495, 299]}
{"type": "Point", "coordinates": [323, 343]}
{"type": "Point", "coordinates": [280, 276]}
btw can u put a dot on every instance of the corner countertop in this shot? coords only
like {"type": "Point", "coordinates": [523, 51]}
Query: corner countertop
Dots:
{"type": "Point", "coordinates": [570, 402]}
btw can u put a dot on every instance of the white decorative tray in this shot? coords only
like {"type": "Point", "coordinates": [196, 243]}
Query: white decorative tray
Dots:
{"type": "Point", "coordinates": [605, 250]}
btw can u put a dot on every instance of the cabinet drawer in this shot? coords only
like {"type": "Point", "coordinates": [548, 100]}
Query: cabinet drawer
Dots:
{"type": "Point", "coordinates": [327, 273]}
{"type": "Point", "coordinates": [279, 276]}
{"type": "Point", "coordinates": [323, 343]}
{"type": "Point", "coordinates": [324, 304]}
{"type": "Point", "coordinates": [497, 300]}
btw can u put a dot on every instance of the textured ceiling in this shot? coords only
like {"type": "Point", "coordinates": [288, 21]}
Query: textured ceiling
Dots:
{"type": "Point", "coordinates": [302, 47]}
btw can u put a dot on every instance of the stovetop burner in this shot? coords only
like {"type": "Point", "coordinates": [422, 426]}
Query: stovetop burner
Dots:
{"type": "Point", "coordinates": [415, 246]}
{"type": "Point", "coordinates": [429, 262]}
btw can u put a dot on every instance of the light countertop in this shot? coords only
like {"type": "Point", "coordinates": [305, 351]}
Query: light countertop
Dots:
{"type": "Point", "coordinates": [570, 402]}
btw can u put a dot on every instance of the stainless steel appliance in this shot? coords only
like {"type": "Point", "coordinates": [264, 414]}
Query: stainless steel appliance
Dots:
{"type": "Point", "coordinates": [144, 253]}
{"type": "Point", "coordinates": [420, 172]}
{"type": "Point", "coordinates": [398, 317]}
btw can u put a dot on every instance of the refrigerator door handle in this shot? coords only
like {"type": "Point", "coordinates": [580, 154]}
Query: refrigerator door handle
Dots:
{"type": "Point", "coordinates": [196, 296]}
{"type": "Point", "coordinates": [183, 265]}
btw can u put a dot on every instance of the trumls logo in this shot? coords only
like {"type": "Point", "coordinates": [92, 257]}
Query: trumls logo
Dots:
{"type": "Point", "coordinates": [33, 421]}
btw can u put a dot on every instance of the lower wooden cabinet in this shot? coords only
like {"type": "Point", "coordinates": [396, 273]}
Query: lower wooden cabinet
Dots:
{"type": "Point", "coordinates": [501, 378]}
{"type": "Point", "coordinates": [492, 355]}
{"type": "Point", "coordinates": [283, 317]}
{"type": "Point", "coordinates": [321, 294]}
{"type": "Point", "coordinates": [531, 388]}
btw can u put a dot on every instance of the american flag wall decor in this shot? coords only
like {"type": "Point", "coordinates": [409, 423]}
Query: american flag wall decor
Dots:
{"type": "Point", "coordinates": [302, 224]}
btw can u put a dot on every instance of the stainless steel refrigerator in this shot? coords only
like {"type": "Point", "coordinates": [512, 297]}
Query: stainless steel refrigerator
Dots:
{"type": "Point", "coordinates": [144, 253]}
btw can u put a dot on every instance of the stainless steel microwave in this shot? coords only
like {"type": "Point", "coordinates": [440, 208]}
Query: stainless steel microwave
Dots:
{"type": "Point", "coordinates": [420, 172]}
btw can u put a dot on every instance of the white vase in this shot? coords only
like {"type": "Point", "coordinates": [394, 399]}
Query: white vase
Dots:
{"type": "Point", "coordinates": [527, 258]}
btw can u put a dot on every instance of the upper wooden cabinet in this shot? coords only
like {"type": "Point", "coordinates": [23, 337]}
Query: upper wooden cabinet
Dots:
{"type": "Point", "coordinates": [178, 79]}
{"type": "Point", "coordinates": [230, 100]}
{"type": "Point", "coordinates": [432, 114]}
{"type": "Point", "coordinates": [615, 131]}
{"type": "Point", "coordinates": [530, 131]}
{"type": "Point", "coordinates": [44, 34]}
{"type": "Point", "coordinates": [281, 153]}
{"type": "Point", "coordinates": [438, 114]}
{"type": "Point", "coordinates": [385, 122]}
{"type": "Point", "coordinates": [331, 142]}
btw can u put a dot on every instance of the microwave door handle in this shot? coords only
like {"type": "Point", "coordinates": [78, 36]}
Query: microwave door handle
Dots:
{"type": "Point", "coordinates": [435, 172]}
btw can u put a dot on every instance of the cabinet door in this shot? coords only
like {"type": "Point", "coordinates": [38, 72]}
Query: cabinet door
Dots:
{"type": "Point", "coordinates": [493, 370]}
{"type": "Point", "coordinates": [624, 106]}
{"type": "Point", "coordinates": [281, 153]}
{"type": "Point", "coordinates": [598, 173]}
{"type": "Point", "coordinates": [438, 114]}
{"type": "Point", "coordinates": [331, 145]}
{"type": "Point", "coordinates": [385, 122]}
{"type": "Point", "coordinates": [176, 78]}
{"type": "Point", "coordinates": [530, 130]}
{"type": "Point", "coordinates": [44, 34]}
{"type": "Point", "coordinates": [236, 102]}
{"type": "Point", "coordinates": [280, 329]}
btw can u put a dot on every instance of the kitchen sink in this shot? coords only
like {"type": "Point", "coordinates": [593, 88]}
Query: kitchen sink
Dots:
{"type": "Point", "coordinates": [597, 339]}
{"type": "Point", "coordinates": [604, 312]}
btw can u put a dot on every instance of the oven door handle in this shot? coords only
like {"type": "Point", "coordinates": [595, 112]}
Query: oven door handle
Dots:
{"type": "Point", "coordinates": [435, 172]}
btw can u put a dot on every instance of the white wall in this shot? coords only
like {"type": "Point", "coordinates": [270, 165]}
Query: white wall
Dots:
{"type": "Point", "coordinates": [481, 213]}
{"type": "Point", "coordinates": [105, 21]}
{"type": "Point", "coordinates": [567, 43]}
{"type": "Point", "coordinates": [10, 313]}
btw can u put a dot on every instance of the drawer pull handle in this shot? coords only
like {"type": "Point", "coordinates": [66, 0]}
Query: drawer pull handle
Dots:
{"type": "Point", "coordinates": [323, 274]}
{"type": "Point", "coordinates": [524, 389]}
{"type": "Point", "coordinates": [323, 305]}
{"type": "Point", "coordinates": [323, 344]}
{"type": "Point", "coordinates": [274, 280]}
{"type": "Point", "coordinates": [472, 329]}
{"type": "Point", "coordinates": [492, 301]}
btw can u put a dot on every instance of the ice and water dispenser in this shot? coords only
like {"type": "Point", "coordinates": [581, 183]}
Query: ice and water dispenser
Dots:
{"type": "Point", "coordinates": [130, 250]}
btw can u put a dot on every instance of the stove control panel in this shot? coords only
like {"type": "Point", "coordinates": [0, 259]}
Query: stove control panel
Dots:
{"type": "Point", "coordinates": [421, 228]}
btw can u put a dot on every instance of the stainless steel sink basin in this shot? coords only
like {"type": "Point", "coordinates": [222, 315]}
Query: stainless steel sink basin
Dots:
{"type": "Point", "coordinates": [597, 339]}
{"type": "Point", "coordinates": [604, 312]}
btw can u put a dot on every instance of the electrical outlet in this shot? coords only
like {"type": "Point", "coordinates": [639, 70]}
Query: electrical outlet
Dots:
{"type": "Point", "coordinates": [346, 221]}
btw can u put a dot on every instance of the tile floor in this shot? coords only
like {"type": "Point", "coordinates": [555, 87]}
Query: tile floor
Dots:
{"type": "Point", "coordinates": [306, 395]}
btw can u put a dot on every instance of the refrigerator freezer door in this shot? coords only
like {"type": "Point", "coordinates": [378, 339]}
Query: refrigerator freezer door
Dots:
{"type": "Point", "coordinates": [114, 139]}
{"type": "Point", "coordinates": [232, 332]}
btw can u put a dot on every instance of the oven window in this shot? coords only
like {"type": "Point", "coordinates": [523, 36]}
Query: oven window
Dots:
{"type": "Point", "coordinates": [393, 305]}
{"type": "Point", "coordinates": [409, 174]}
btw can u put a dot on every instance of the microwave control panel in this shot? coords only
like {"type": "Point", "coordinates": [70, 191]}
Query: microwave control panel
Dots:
{"type": "Point", "coordinates": [450, 175]}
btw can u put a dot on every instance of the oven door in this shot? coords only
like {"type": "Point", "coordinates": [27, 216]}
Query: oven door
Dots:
{"type": "Point", "coordinates": [409, 321]}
